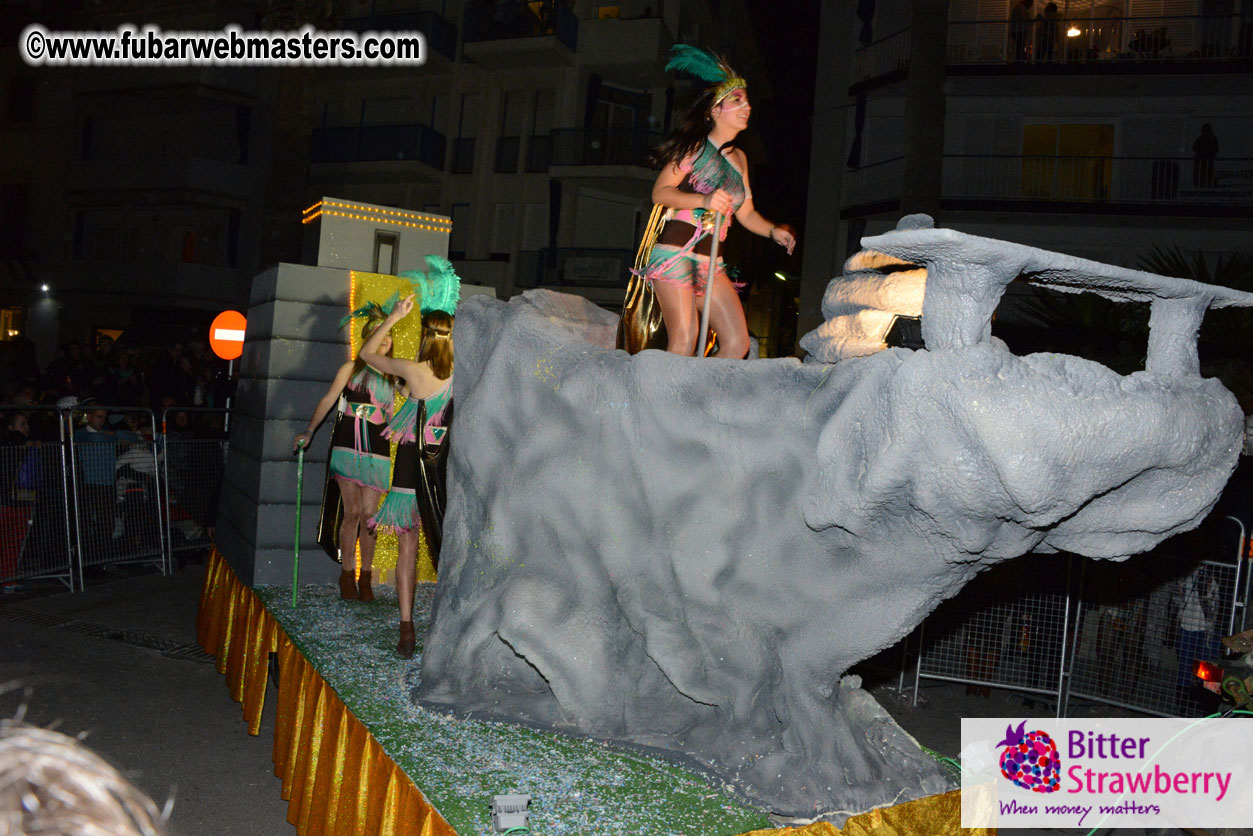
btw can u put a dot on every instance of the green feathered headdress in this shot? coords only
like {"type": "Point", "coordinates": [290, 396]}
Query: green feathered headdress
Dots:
{"type": "Point", "coordinates": [696, 61]}
{"type": "Point", "coordinates": [439, 288]}
{"type": "Point", "coordinates": [373, 310]}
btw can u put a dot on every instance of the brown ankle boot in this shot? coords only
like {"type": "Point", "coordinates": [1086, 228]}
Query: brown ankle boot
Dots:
{"type": "Point", "coordinates": [364, 592]}
{"type": "Point", "coordinates": [404, 647]}
{"type": "Point", "coordinates": [347, 586]}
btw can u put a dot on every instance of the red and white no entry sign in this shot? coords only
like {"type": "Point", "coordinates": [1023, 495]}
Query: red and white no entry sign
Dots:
{"type": "Point", "coordinates": [226, 334]}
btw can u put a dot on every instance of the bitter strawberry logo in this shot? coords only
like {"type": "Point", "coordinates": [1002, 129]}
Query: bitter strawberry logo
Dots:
{"type": "Point", "coordinates": [1030, 759]}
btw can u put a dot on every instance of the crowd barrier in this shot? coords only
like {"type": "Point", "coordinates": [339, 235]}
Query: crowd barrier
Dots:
{"type": "Point", "coordinates": [102, 485]}
{"type": "Point", "coordinates": [1065, 631]}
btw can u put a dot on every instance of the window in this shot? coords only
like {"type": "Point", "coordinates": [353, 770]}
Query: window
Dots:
{"type": "Point", "coordinates": [467, 131]}
{"type": "Point", "coordinates": [539, 146]}
{"type": "Point", "coordinates": [509, 140]}
{"type": "Point", "coordinates": [386, 252]}
{"type": "Point", "coordinates": [1067, 162]}
{"type": "Point", "coordinates": [459, 239]}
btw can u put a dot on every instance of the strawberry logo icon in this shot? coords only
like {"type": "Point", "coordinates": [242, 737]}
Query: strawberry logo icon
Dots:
{"type": "Point", "coordinates": [1030, 759]}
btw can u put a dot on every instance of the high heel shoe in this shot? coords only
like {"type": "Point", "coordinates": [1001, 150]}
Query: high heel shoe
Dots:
{"type": "Point", "coordinates": [347, 586]}
{"type": "Point", "coordinates": [364, 592]}
{"type": "Point", "coordinates": [404, 647]}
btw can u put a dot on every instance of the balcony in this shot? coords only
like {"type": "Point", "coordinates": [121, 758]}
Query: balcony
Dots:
{"type": "Point", "coordinates": [173, 85]}
{"type": "Point", "coordinates": [159, 283]}
{"type": "Point", "coordinates": [100, 181]}
{"type": "Point", "coordinates": [1166, 185]}
{"type": "Point", "coordinates": [540, 33]}
{"type": "Point", "coordinates": [598, 274]}
{"type": "Point", "coordinates": [418, 144]}
{"type": "Point", "coordinates": [629, 53]}
{"type": "Point", "coordinates": [1085, 44]}
{"type": "Point", "coordinates": [440, 34]}
{"type": "Point", "coordinates": [603, 146]}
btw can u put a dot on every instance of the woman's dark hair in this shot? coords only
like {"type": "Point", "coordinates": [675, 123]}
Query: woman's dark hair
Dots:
{"type": "Point", "coordinates": [436, 347]}
{"type": "Point", "coordinates": [688, 137]}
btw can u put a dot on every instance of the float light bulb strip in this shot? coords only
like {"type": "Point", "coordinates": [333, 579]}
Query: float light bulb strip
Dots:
{"type": "Point", "coordinates": [378, 210]}
{"type": "Point", "coordinates": [444, 228]}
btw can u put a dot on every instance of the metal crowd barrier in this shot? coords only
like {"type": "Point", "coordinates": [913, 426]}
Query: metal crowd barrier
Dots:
{"type": "Point", "coordinates": [1092, 631]}
{"type": "Point", "coordinates": [116, 487]}
{"type": "Point", "coordinates": [192, 478]}
{"type": "Point", "coordinates": [126, 491]}
{"type": "Point", "coordinates": [35, 539]}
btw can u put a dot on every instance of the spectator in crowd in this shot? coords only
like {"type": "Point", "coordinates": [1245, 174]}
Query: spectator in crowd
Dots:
{"type": "Point", "coordinates": [1204, 153]}
{"type": "Point", "coordinates": [1197, 603]}
{"type": "Point", "coordinates": [96, 448]}
{"type": "Point", "coordinates": [127, 382]}
{"type": "Point", "coordinates": [102, 357]}
{"type": "Point", "coordinates": [1020, 30]}
{"type": "Point", "coordinates": [18, 474]}
{"type": "Point", "coordinates": [68, 371]}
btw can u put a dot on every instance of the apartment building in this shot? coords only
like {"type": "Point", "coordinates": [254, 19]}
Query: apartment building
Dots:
{"type": "Point", "coordinates": [1099, 128]}
{"type": "Point", "coordinates": [139, 190]}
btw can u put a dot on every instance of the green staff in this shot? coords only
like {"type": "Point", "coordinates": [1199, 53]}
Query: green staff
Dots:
{"type": "Point", "coordinates": [300, 481]}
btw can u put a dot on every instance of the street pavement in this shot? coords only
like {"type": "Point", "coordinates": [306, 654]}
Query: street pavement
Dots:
{"type": "Point", "coordinates": [120, 663]}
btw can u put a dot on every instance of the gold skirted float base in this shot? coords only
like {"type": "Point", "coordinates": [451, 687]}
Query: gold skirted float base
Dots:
{"type": "Point", "coordinates": [337, 778]}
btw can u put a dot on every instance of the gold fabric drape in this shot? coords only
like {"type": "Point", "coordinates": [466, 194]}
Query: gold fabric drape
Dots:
{"type": "Point", "coordinates": [335, 776]}
{"type": "Point", "coordinates": [930, 816]}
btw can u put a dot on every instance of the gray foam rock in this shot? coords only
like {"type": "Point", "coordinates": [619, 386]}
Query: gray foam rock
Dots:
{"type": "Point", "coordinates": [687, 554]}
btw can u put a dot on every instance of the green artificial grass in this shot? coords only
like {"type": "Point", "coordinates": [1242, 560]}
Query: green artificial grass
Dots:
{"type": "Point", "coordinates": [577, 785]}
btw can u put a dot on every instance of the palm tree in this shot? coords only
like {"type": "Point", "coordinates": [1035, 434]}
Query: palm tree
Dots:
{"type": "Point", "coordinates": [1227, 333]}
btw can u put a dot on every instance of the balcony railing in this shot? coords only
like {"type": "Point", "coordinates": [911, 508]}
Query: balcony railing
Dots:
{"type": "Point", "coordinates": [874, 183]}
{"type": "Point", "coordinates": [1160, 180]}
{"type": "Point", "coordinates": [574, 267]}
{"type": "Point", "coordinates": [602, 146]}
{"type": "Point", "coordinates": [441, 35]}
{"type": "Point", "coordinates": [884, 56]}
{"type": "Point", "coordinates": [1068, 40]}
{"type": "Point", "coordinates": [1093, 179]}
{"type": "Point", "coordinates": [378, 143]}
{"type": "Point", "coordinates": [503, 21]}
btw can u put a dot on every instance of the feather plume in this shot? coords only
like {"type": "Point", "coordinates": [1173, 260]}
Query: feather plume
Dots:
{"type": "Point", "coordinates": [373, 310]}
{"type": "Point", "coordinates": [696, 61]}
{"type": "Point", "coordinates": [438, 289]}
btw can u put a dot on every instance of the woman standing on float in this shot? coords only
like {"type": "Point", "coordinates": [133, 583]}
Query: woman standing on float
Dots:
{"type": "Point", "coordinates": [428, 384]}
{"type": "Point", "coordinates": [360, 456]}
{"type": "Point", "coordinates": [702, 175]}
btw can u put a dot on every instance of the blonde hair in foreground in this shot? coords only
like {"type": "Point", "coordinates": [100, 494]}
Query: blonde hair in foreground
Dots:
{"type": "Point", "coordinates": [54, 785]}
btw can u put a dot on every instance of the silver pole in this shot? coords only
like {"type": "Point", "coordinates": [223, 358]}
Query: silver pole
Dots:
{"type": "Point", "coordinates": [230, 373]}
{"type": "Point", "coordinates": [709, 285]}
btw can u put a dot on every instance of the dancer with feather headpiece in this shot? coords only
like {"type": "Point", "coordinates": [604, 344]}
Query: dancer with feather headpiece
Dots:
{"type": "Point", "coordinates": [418, 427]}
{"type": "Point", "coordinates": [703, 175]}
{"type": "Point", "coordinates": [360, 455]}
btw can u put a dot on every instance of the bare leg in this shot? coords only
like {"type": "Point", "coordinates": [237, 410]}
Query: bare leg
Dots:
{"type": "Point", "coordinates": [367, 538]}
{"type": "Point", "coordinates": [351, 523]}
{"type": "Point", "coordinates": [726, 316]}
{"type": "Point", "coordinates": [406, 572]}
{"type": "Point", "coordinates": [678, 310]}
{"type": "Point", "coordinates": [406, 569]}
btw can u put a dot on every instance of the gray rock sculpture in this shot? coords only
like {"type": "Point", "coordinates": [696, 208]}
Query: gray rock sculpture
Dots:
{"type": "Point", "coordinates": [687, 554]}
